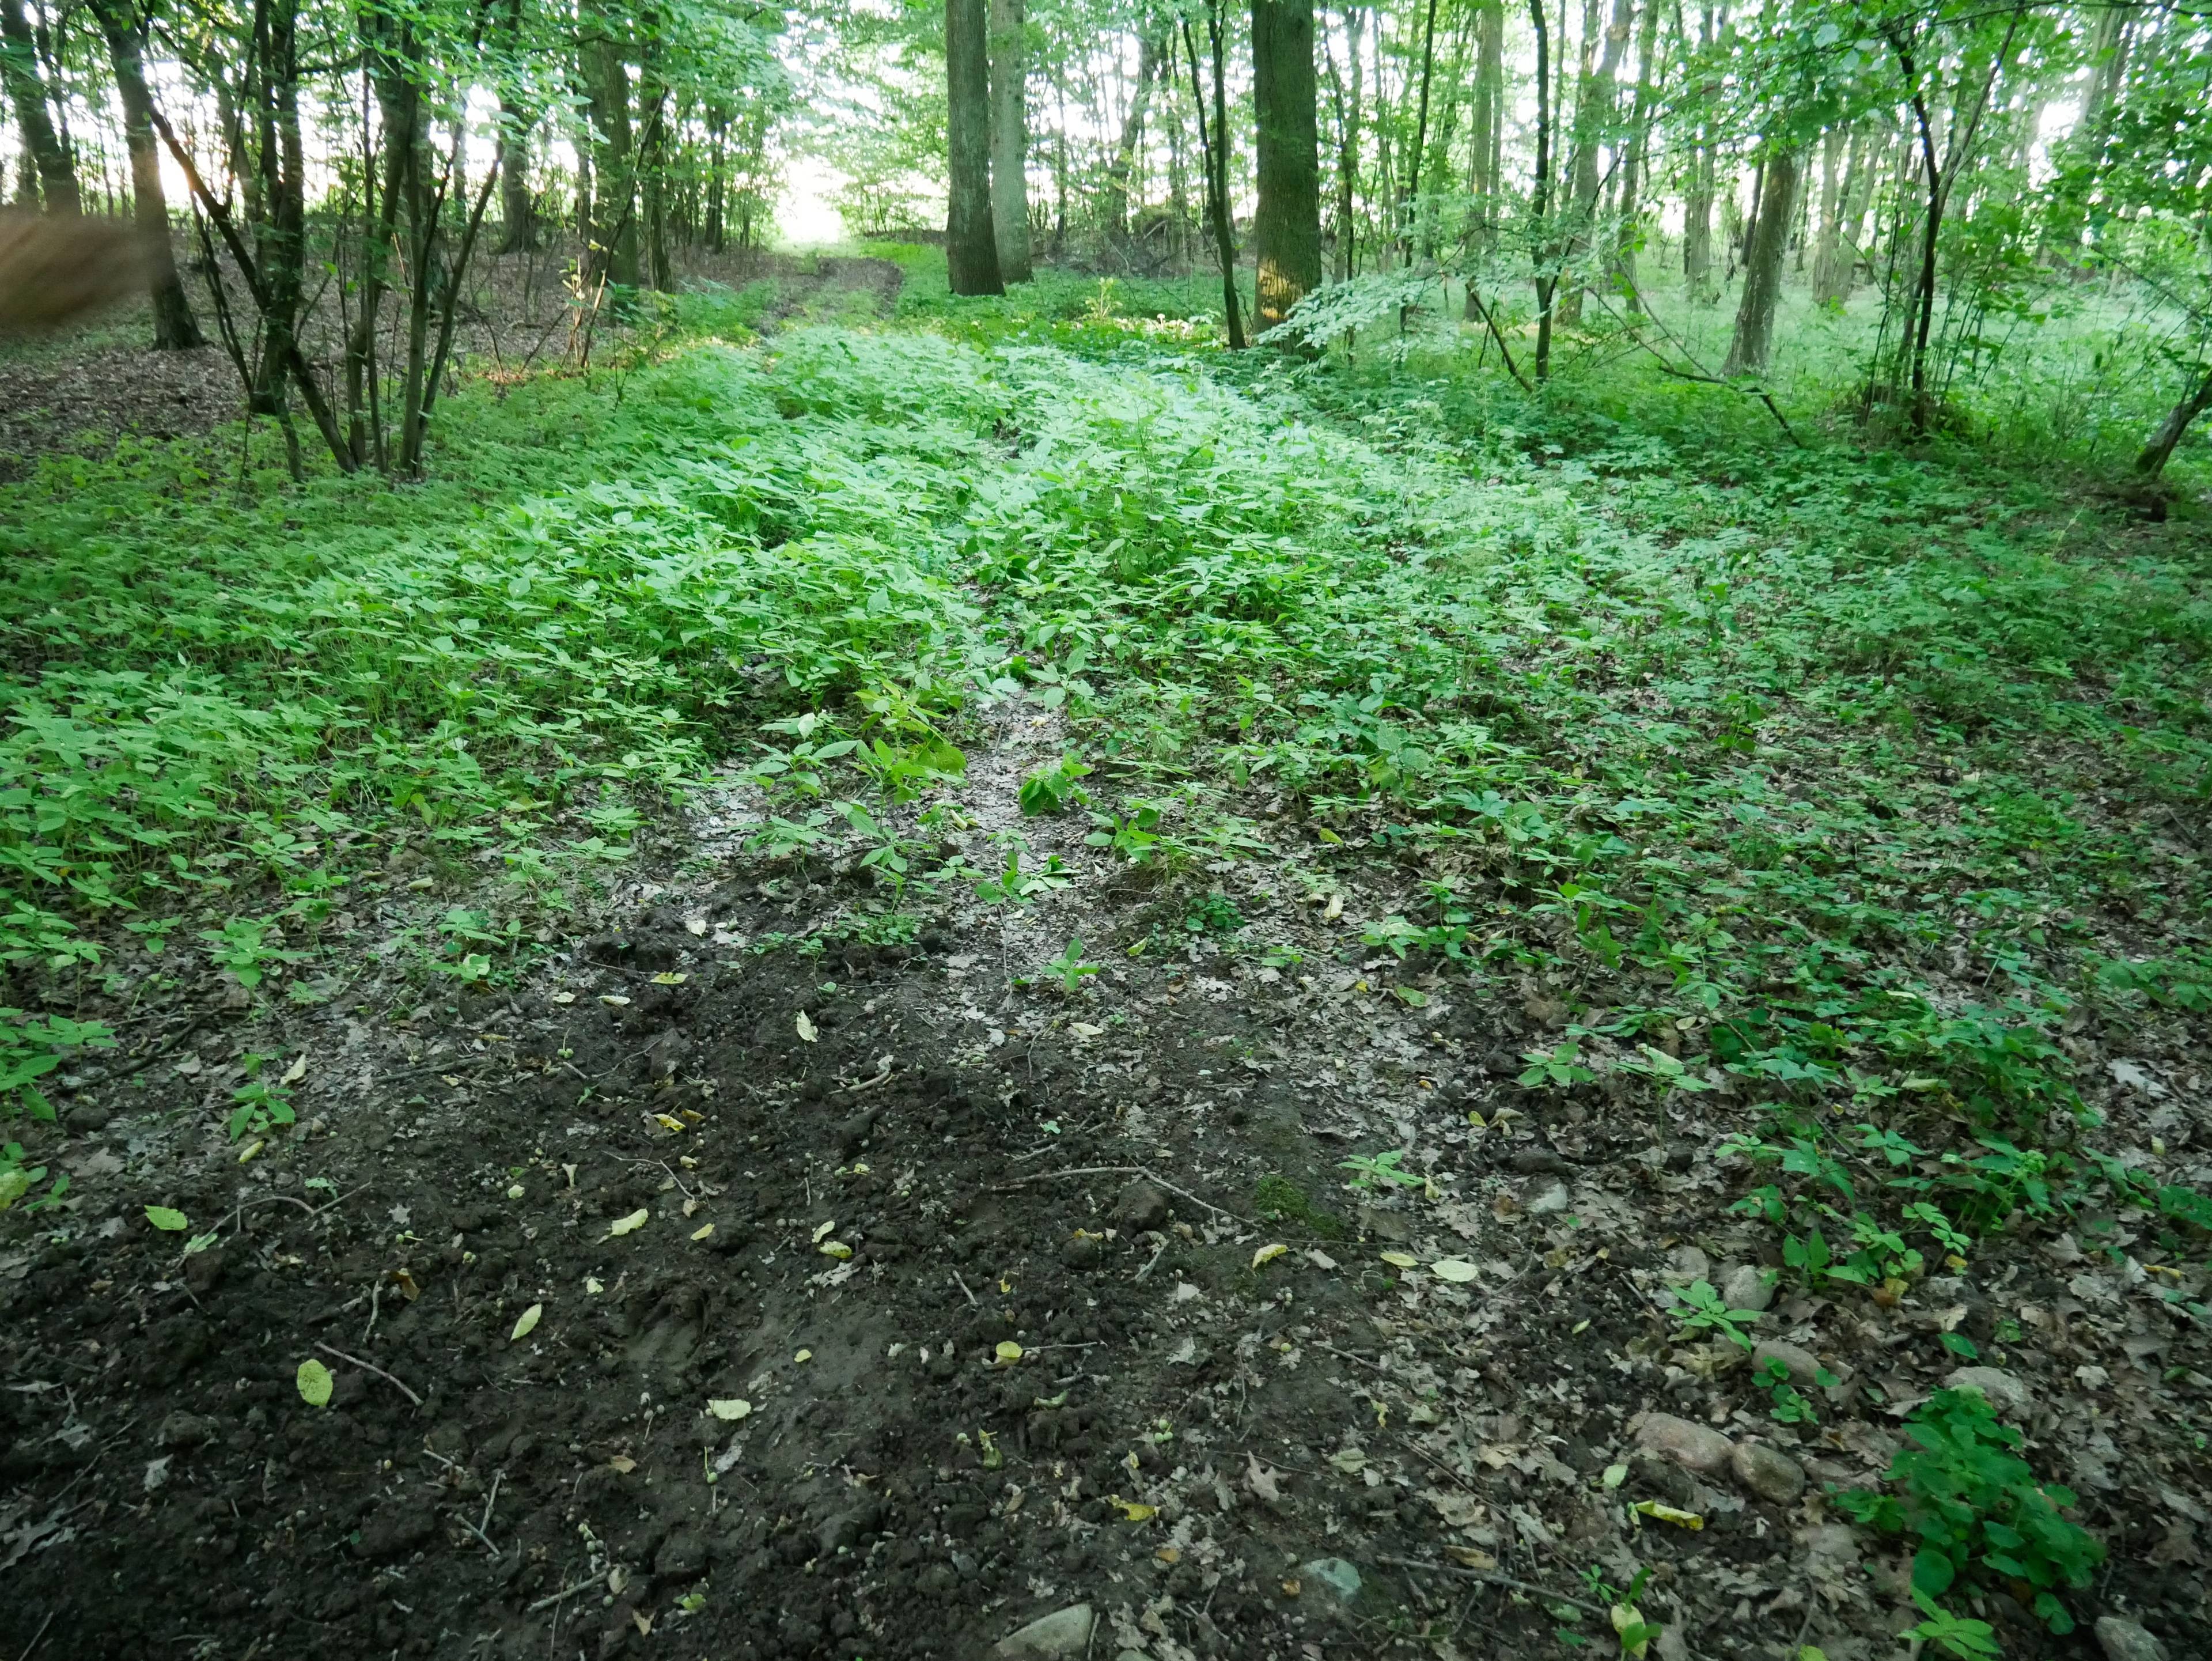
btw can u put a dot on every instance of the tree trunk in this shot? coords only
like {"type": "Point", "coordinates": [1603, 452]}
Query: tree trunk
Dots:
{"type": "Point", "coordinates": [175, 329]}
{"type": "Point", "coordinates": [971, 248]}
{"type": "Point", "coordinates": [1593, 112]}
{"type": "Point", "coordinates": [653, 151]}
{"type": "Point", "coordinates": [1115, 212]}
{"type": "Point", "coordinates": [1214, 149]}
{"type": "Point", "coordinates": [1547, 281]}
{"type": "Point", "coordinates": [518, 225]}
{"type": "Point", "coordinates": [1286, 220]}
{"type": "Point", "coordinates": [1861, 168]}
{"type": "Point", "coordinates": [1636, 167]}
{"type": "Point", "coordinates": [1486, 118]}
{"type": "Point", "coordinates": [612, 250]}
{"type": "Point", "coordinates": [2155, 455]}
{"type": "Point", "coordinates": [1828, 240]}
{"type": "Point", "coordinates": [27, 90]}
{"type": "Point", "coordinates": [1348, 140]}
{"type": "Point", "coordinates": [1762, 274]}
{"type": "Point", "coordinates": [1010, 139]}
{"type": "Point", "coordinates": [1412, 206]}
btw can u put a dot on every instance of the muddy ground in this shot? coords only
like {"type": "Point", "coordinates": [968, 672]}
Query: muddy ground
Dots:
{"type": "Point", "coordinates": [729, 1283]}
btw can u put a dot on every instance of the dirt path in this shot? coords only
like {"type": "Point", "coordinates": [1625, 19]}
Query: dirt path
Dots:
{"type": "Point", "coordinates": [732, 1286]}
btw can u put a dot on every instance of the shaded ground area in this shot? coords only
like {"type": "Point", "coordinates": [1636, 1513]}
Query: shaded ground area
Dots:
{"type": "Point", "coordinates": [736, 1282]}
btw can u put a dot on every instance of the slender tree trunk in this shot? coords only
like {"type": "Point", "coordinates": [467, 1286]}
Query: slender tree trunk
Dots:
{"type": "Point", "coordinates": [1593, 114]}
{"type": "Point", "coordinates": [653, 151]}
{"type": "Point", "coordinates": [1863, 164]}
{"type": "Point", "coordinates": [1347, 159]}
{"type": "Point", "coordinates": [175, 329]}
{"type": "Point", "coordinates": [1547, 281]}
{"type": "Point", "coordinates": [971, 248]}
{"type": "Point", "coordinates": [1411, 206]}
{"type": "Point", "coordinates": [1482, 180]}
{"type": "Point", "coordinates": [1286, 220]}
{"type": "Point", "coordinates": [1637, 166]}
{"type": "Point", "coordinates": [1115, 212]}
{"type": "Point", "coordinates": [1347, 182]}
{"type": "Point", "coordinates": [1827, 238]}
{"type": "Point", "coordinates": [1752, 342]}
{"type": "Point", "coordinates": [27, 90]}
{"type": "Point", "coordinates": [518, 225]}
{"type": "Point", "coordinates": [612, 254]}
{"type": "Point", "coordinates": [2155, 455]}
{"type": "Point", "coordinates": [1010, 137]}
{"type": "Point", "coordinates": [1213, 148]}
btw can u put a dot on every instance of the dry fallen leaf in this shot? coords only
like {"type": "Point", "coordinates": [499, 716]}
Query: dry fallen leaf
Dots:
{"type": "Point", "coordinates": [1680, 1520]}
{"type": "Point", "coordinates": [730, 1410]}
{"type": "Point", "coordinates": [294, 1073]}
{"type": "Point", "coordinates": [1131, 1511]}
{"type": "Point", "coordinates": [406, 1283]}
{"type": "Point", "coordinates": [1261, 1480]}
{"type": "Point", "coordinates": [1401, 1259]}
{"type": "Point", "coordinates": [824, 1232]}
{"type": "Point", "coordinates": [837, 1249]}
{"type": "Point", "coordinates": [705, 1231]}
{"type": "Point", "coordinates": [525, 1323]}
{"type": "Point", "coordinates": [622, 1463]}
{"type": "Point", "coordinates": [637, 1219]}
{"type": "Point", "coordinates": [668, 978]}
{"type": "Point", "coordinates": [1457, 1270]}
{"type": "Point", "coordinates": [1469, 1557]}
{"type": "Point", "coordinates": [614, 999]}
{"type": "Point", "coordinates": [1267, 1254]}
{"type": "Point", "coordinates": [668, 1122]}
{"type": "Point", "coordinates": [805, 1028]}
{"type": "Point", "coordinates": [1006, 1354]}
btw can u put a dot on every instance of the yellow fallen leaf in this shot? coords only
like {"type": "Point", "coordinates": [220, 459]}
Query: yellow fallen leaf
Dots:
{"type": "Point", "coordinates": [668, 978]}
{"type": "Point", "coordinates": [252, 1148]}
{"type": "Point", "coordinates": [525, 1323]}
{"type": "Point", "coordinates": [637, 1219]}
{"type": "Point", "coordinates": [639, 1618]}
{"type": "Point", "coordinates": [1131, 1511]}
{"type": "Point", "coordinates": [668, 1122]}
{"type": "Point", "coordinates": [564, 997]}
{"type": "Point", "coordinates": [803, 1358]}
{"type": "Point", "coordinates": [406, 1283]}
{"type": "Point", "coordinates": [1401, 1259]}
{"type": "Point", "coordinates": [823, 1232]}
{"type": "Point", "coordinates": [1680, 1520]}
{"type": "Point", "coordinates": [805, 1028]}
{"type": "Point", "coordinates": [294, 1073]}
{"type": "Point", "coordinates": [705, 1231]}
{"type": "Point", "coordinates": [1084, 1030]}
{"type": "Point", "coordinates": [614, 999]}
{"type": "Point", "coordinates": [1626, 1617]}
{"type": "Point", "coordinates": [1006, 1354]}
{"type": "Point", "coordinates": [1457, 1270]}
{"type": "Point", "coordinates": [730, 1410]}
{"type": "Point", "coordinates": [837, 1249]}
{"type": "Point", "coordinates": [1267, 1254]}
{"type": "Point", "coordinates": [1469, 1557]}
{"type": "Point", "coordinates": [621, 1463]}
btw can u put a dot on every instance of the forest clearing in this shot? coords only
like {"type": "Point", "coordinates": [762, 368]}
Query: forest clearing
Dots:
{"type": "Point", "coordinates": [1456, 908]}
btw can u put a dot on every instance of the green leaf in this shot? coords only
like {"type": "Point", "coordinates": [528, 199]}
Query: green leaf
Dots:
{"type": "Point", "coordinates": [314, 1383]}
{"type": "Point", "coordinates": [168, 1221]}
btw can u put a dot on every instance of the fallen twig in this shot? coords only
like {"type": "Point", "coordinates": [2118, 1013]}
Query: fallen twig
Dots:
{"type": "Point", "coordinates": [565, 1593]}
{"type": "Point", "coordinates": [366, 1366]}
{"type": "Point", "coordinates": [1347, 1355]}
{"type": "Point", "coordinates": [1129, 1170]}
{"type": "Point", "coordinates": [1485, 1575]}
{"type": "Point", "coordinates": [36, 1636]}
{"type": "Point", "coordinates": [962, 1285]}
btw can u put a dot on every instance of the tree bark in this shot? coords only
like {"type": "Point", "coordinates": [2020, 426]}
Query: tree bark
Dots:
{"type": "Point", "coordinates": [1286, 220]}
{"type": "Point", "coordinates": [518, 214]}
{"type": "Point", "coordinates": [1594, 110]}
{"type": "Point", "coordinates": [1411, 204]}
{"type": "Point", "coordinates": [1119, 172]}
{"type": "Point", "coordinates": [2155, 455]}
{"type": "Point", "coordinates": [1636, 167]}
{"type": "Point", "coordinates": [612, 252]}
{"type": "Point", "coordinates": [971, 248]}
{"type": "Point", "coordinates": [1214, 149]}
{"type": "Point", "coordinates": [1010, 139]}
{"type": "Point", "coordinates": [1346, 106]}
{"type": "Point", "coordinates": [1828, 233]}
{"type": "Point", "coordinates": [175, 329]}
{"type": "Point", "coordinates": [653, 152]}
{"type": "Point", "coordinates": [27, 90]}
{"type": "Point", "coordinates": [1753, 340]}
{"type": "Point", "coordinates": [1547, 280]}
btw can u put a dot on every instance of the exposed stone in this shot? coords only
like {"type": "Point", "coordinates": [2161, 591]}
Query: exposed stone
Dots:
{"type": "Point", "coordinates": [1803, 1366]}
{"type": "Point", "coordinates": [1767, 1472]}
{"type": "Point", "coordinates": [1141, 1208]}
{"type": "Point", "coordinates": [185, 1430]}
{"type": "Point", "coordinates": [1687, 1264]}
{"type": "Point", "coordinates": [2006, 1393]}
{"type": "Point", "coordinates": [1061, 1633]}
{"type": "Point", "coordinates": [1081, 1251]}
{"type": "Point", "coordinates": [1693, 1447]}
{"type": "Point", "coordinates": [396, 1526]}
{"type": "Point", "coordinates": [682, 1555]}
{"type": "Point", "coordinates": [1747, 1286]}
{"type": "Point", "coordinates": [2122, 1640]}
{"type": "Point", "coordinates": [1332, 1575]}
{"type": "Point", "coordinates": [1547, 1199]}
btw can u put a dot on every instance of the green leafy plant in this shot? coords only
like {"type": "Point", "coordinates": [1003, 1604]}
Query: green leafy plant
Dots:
{"type": "Point", "coordinates": [257, 1108]}
{"type": "Point", "coordinates": [1212, 913]}
{"type": "Point", "coordinates": [31, 1047]}
{"type": "Point", "coordinates": [1056, 788]}
{"type": "Point", "coordinates": [1135, 836]}
{"type": "Point", "coordinates": [1701, 1309]}
{"type": "Point", "coordinates": [1561, 1065]}
{"type": "Point", "coordinates": [1974, 1509]}
{"type": "Point", "coordinates": [1790, 1406]}
{"type": "Point", "coordinates": [18, 1179]}
{"type": "Point", "coordinates": [1381, 1170]}
{"type": "Point", "coordinates": [1958, 1635]}
{"type": "Point", "coordinates": [1015, 885]}
{"type": "Point", "coordinates": [1071, 968]}
{"type": "Point", "coordinates": [241, 945]}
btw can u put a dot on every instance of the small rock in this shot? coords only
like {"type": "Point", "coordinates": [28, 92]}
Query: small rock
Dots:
{"type": "Point", "coordinates": [1081, 1251]}
{"type": "Point", "coordinates": [185, 1430]}
{"type": "Point", "coordinates": [1767, 1472]}
{"type": "Point", "coordinates": [1334, 1575]}
{"type": "Point", "coordinates": [1141, 1209]}
{"type": "Point", "coordinates": [1063, 1633]}
{"type": "Point", "coordinates": [2006, 1393]}
{"type": "Point", "coordinates": [1687, 1264]}
{"type": "Point", "coordinates": [682, 1556]}
{"type": "Point", "coordinates": [2122, 1639]}
{"type": "Point", "coordinates": [1803, 1366]}
{"type": "Point", "coordinates": [1547, 1199]}
{"type": "Point", "coordinates": [202, 1270]}
{"type": "Point", "coordinates": [851, 1133]}
{"type": "Point", "coordinates": [1747, 1286]}
{"type": "Point", "coordinates": [1538, 1162]}
{"type": "Point", "coordinates": [397, 1526]}
{"type": "Point", "coordinates": [1693, 1447]}
{"type": "Point", "coordinates": [87, 1116]}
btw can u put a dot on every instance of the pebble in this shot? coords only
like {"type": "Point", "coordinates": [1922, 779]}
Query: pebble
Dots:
{"type": "Point", "coordinates": [1767, 1472]}
{"type": "Point", "coordinates": [1803, 1367]}
{"type": "Point", "coordinates": [1747, 1286]}
{"type": "Point", "coordinates": [2122, 1639]}
{"type": "Point", "coordinates": [1141, 1209]}
{"type": "Point", "coordinates": [1333, 1574]}
{"type": "Point", "coordinates": [2006, 1393]}
{"type": "Point", "coordinates": [1081, 1251]}
{"type": "Point", "coordinates": [1693, 1447]}
{"type": "Point", "coordinates": [1548, 1199]}
{"type": "Point", "coordinates": [1687, 1263]}
{"type": "Point", "coordinates": [1061, 1633]}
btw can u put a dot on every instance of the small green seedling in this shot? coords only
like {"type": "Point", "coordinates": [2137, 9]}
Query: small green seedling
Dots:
{"type": "Point", "coordinates": [1384, 1171]}
{"type": "Point", "coordinates": [17, 1179]}
{"type": "Point", "coordinates": [1071, 968]}
{"type": "Point", "coordinates": [1055, 789]}
{"type": "Point", "coordinates": [258, 1109]}
{"type": "Point", "coordinates": [1707, 1313]}
{"type": "Point", "coordinates": [1790, 1406]}
{"type": "Point", "coordinates": [1560, 1065]}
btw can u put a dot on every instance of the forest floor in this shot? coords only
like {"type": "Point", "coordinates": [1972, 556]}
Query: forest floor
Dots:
{"type": "Point", "coordinates": [1274, 1101]}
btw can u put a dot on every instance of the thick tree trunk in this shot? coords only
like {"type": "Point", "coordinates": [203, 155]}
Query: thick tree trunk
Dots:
{"type": "Point", "coordinates": [518, 217]}
{"type": "Point", "coordinates": [1010, 139]}
{"type": "Point", "coordinates": [971, 248]}
{"type": "Point", "coordinates": [1286, 222]}
{"type": "Point", "coordinates": [2155, 455]}
{"type": "Point", "coordinates": [1754, 339]}
{"type": "Point", "coordinates": [612, 254]}
{"type": "Point", "coordinates": [175, 329]}
{"type": "Point", "coordinates": [27, 90]}
{"type": "Point", "coordinates": [1827, 237]}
